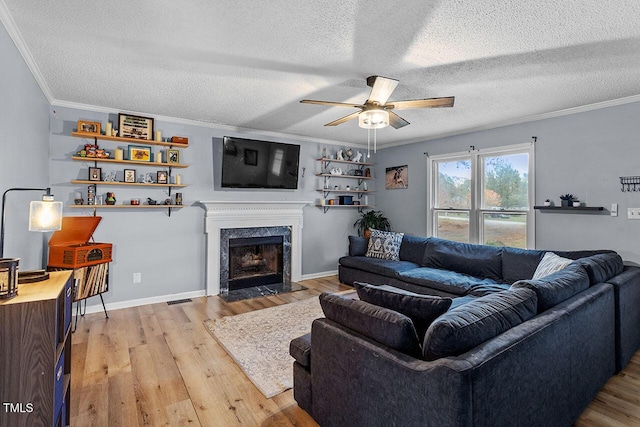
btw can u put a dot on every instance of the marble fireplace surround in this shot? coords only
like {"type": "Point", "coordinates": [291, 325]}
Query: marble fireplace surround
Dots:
{"type": "Point", "coordinates": [222, 215]}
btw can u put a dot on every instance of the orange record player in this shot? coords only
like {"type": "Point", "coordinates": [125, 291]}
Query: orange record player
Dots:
{"type": "Point", "coordinates": [69, 247]}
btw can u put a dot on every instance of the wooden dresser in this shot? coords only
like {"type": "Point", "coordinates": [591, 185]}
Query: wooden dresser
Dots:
{"type": "Point", "coordinates": [35, 353]}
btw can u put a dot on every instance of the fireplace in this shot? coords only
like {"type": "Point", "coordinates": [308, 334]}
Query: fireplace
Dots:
{"type": "Point", "coordinates": [255, 261]}
{"type": "Point", "coordinates": [226, 220]}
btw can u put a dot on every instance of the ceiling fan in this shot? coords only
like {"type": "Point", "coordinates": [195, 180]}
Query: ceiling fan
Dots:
{"type": "Point", "coordinates": [376, 112]}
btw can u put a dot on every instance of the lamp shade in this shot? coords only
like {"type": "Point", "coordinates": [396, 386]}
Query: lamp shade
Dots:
{"type": "Point", "coordinates": [45, 215]}
{"type": "Point", "coordinates": [373, 119]}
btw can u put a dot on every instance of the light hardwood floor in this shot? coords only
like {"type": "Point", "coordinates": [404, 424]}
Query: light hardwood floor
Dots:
{"type": "Point", "coordinates": [157, 365]}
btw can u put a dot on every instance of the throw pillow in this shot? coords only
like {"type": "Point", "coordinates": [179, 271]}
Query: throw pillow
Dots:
{"type": "Point", "coordinates": [550, 263]}
{"type": "Point", "coordinates": [421, 309]}
{"type": "Point", "coordinates": [384, 245]}
{"type": "Point", "coordinates": [380, 324]}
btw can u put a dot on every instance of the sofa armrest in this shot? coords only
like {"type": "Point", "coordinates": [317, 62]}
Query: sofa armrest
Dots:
{"type": "Point", "coordinates": [300, 349]}
{"type": "Point", "coordinates": [626, 286]}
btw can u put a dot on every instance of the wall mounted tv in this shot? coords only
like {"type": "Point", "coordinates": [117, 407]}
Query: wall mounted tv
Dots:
{"type": "Point", "coordinates": [249, 163]}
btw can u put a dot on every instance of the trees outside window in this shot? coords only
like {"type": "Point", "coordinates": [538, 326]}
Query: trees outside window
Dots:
{"type": "Point", "coordinates": [483, 197]}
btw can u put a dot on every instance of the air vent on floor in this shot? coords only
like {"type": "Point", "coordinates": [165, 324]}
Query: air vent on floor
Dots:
{"type": "Point", "coordinates": [178, 301]}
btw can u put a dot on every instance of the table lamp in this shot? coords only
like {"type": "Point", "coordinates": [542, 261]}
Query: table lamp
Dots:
{"type": "Point", "coordinates": [44, 215]}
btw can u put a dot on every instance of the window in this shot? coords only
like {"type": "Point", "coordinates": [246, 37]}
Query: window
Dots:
{"type": "Point", "coordinates": [483, 197]}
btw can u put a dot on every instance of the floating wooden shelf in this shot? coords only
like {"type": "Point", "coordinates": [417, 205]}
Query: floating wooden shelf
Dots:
{"type": "Point", "coordinates": [329, 175]}
{"type": "Point", "coordinates": [127, 162]}
{"type": "Point", "coordinates": [344, 161]}
{"type": "Point", "coordinates": [131, 184]}
{"type": "Point", "coordinates": [126, 206]}
{"type": "Point", "coordinates": [127, 140]}
{"type": "Point", "coordinates": [571, 208]}
{"type": "Point", "coordinates": [330, 190]}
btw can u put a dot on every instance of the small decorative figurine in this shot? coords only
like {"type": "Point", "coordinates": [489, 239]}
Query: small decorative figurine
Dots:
{"type": "Point", "coordinates": [349, 153]}
{"type": "Point", "coordinates": [358, 157]}
{"type": "Point", "coordinates": [111, 177]}
{"type": "Point", "coordinates": [336, 171]}
{"type": "Point", "coordinates": [339, 155]}
{"type": "Point", "coordinates": [111, 198]}
{"type": "Point", "coordinates": [151, 201]}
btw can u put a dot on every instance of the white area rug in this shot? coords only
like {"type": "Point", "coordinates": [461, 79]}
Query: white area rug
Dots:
{"type": "Point", "coordinates": [259, 341]}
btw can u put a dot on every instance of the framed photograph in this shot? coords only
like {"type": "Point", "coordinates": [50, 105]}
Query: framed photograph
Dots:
{"type": "Point", "coordinates": [85, 126]}
{"type": "Point", "coordinates": [250, 157]}
{"type": "Point", "coordinates": [95, 174]}
{"type": "Point", "coordinates": [397, 177]}
{"type": "Point", "coordinates": [162, 177]}
{"type": "Point", "coordinates": [129, 175]}
{"type": "Point", "coordinates": [173, 156]}
{"type": "Point", "coordinates": [139, 153]}
{"type": "Point", "coordinates": [135, 127]}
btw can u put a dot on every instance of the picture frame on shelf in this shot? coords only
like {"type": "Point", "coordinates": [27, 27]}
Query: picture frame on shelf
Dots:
{"type": "Point", "coordinates": [130, 175]}
{"type": "Point", "coordinates": [135, 127]}
{"type": "Point", "coordinates": [173, 156]}
{"type": "Point", "coordinates": [85, 126]}
{"type": "Point", "coordinates": [139, 153]}
{"type": "Point", "coordinates": [250, 157]}
{"type": "Point", "coordinates": [95, 174]}
{"type": "Point", "coordinates": [162, 177]}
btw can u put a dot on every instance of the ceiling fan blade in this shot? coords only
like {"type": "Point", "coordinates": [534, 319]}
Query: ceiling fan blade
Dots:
{"type": "Point", "coordinates": [396, 121]}
{"type": "Point", "coordinates": [331, 104]}
{"type": "Point", "coordinates": [421, 103]}
{"type": "Point", "coordinates": [381, 88]}
{"type": "Point", "coordinates": [344, 119]}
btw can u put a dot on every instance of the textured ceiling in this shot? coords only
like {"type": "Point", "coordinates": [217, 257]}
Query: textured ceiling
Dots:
{"type": "Point", "coordinates": [246, 64]}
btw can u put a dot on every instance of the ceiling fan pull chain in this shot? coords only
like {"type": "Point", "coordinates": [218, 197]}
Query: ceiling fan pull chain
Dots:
{"type": "Point", "coordinates": [368, 143]}
{"type": "Point", "coordinates": [375, 141]}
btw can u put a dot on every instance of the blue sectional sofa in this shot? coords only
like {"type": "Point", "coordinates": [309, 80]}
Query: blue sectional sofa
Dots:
{"type": "Point", "coordinates": [499, 348]}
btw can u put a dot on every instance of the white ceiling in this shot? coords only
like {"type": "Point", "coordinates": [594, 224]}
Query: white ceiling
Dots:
{"type": "Point", "coordinates": [246, 64]}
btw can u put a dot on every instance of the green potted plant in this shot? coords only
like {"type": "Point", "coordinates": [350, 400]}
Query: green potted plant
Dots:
{"type": "Point", "coordinates": [371, 219]}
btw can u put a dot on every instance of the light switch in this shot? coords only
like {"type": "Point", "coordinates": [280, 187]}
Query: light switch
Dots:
{"type": "Point", "coordinates": [614, 209]}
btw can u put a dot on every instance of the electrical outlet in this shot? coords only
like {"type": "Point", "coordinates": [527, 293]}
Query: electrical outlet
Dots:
{"type": "Point", "coordinates": [633, 213]}
{"type": "Point", "coordinates": [137, 277]}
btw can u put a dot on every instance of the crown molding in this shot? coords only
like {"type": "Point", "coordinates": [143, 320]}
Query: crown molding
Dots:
{"type": "Point", "coordinates": [12, 29]}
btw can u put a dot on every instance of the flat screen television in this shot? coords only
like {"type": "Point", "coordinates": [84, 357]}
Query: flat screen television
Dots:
{"type": "Point", "coordinates": [249, 163]}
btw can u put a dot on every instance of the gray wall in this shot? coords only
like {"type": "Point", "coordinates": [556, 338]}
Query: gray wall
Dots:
{"type": "Point", "coordinates": [170, 251]}
{"type": "Point", "coordinates": [583, 154]}
{"type": "Point", "coordinates": [24, 152]}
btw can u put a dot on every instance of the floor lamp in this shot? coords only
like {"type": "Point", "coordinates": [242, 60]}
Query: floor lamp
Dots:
{"type": "Point", "coordinates": [44, 215]}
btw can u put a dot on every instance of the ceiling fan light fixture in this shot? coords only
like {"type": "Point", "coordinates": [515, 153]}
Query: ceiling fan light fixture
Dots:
{"type": "Point", "coordinates": [373, 119]}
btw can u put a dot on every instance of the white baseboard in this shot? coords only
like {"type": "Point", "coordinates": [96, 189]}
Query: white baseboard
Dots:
{"type": "Point", "coordinates": [142, 301]}
{"type": "Point", "coordinates": [97, 308]}
{"type": "Point", "coordinates": [318, 275]}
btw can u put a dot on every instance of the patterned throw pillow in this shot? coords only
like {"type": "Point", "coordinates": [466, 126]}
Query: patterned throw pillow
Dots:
{"type": "Point", "coordinates": [550, 263]}
{"type": "Point", "coordinates": [384, 245]}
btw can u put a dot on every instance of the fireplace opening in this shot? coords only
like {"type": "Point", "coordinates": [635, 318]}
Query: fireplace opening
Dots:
{"type": "Point", "coordinates": [255, 261]}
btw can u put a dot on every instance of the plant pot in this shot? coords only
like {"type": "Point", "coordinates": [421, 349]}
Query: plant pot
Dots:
{"type": "Point", "coordinates": [367, 233]}
{"type": "Point", "coordinates": [565, 203]}
{"type": "Point", "coordinates": [576, 204]}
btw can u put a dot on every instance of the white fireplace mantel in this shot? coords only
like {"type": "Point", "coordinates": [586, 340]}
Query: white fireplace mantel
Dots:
{"type": "Point", "coordinates": [243, 214]}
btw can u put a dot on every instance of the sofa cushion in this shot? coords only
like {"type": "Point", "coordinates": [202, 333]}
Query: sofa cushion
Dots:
{"type": "Point", "coordinates": [602, 267]}
{"type": "Point", "coordinates": [385, 326]}
{"type": "Point", "coordinates": [582, 254]}
{"type": "Point", "coordinates": [300, 349]}
{"type": "Point", "coordinates": [557, 287]}
{"type": "Point", "coordinates": [444, 280]}
{"type": "Point", "coordinates": [358, 245]}
{"type": "Point", "coordinates": [486, 289]}
{"type": "Point", "coordinates": [468, 325]}
{"type": "Point", "coordinates": [421, 309]}
{"type": "Point", "coordinates": [550, 263]}
{"type": "Point", "coordinates": [474, 260]}
{"type": "Point", "coordinates": [519, 264]}
{"type": "Point", "coordinates": [412, 248]}
{"type": "Point", "coordinates": [383, 267]}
